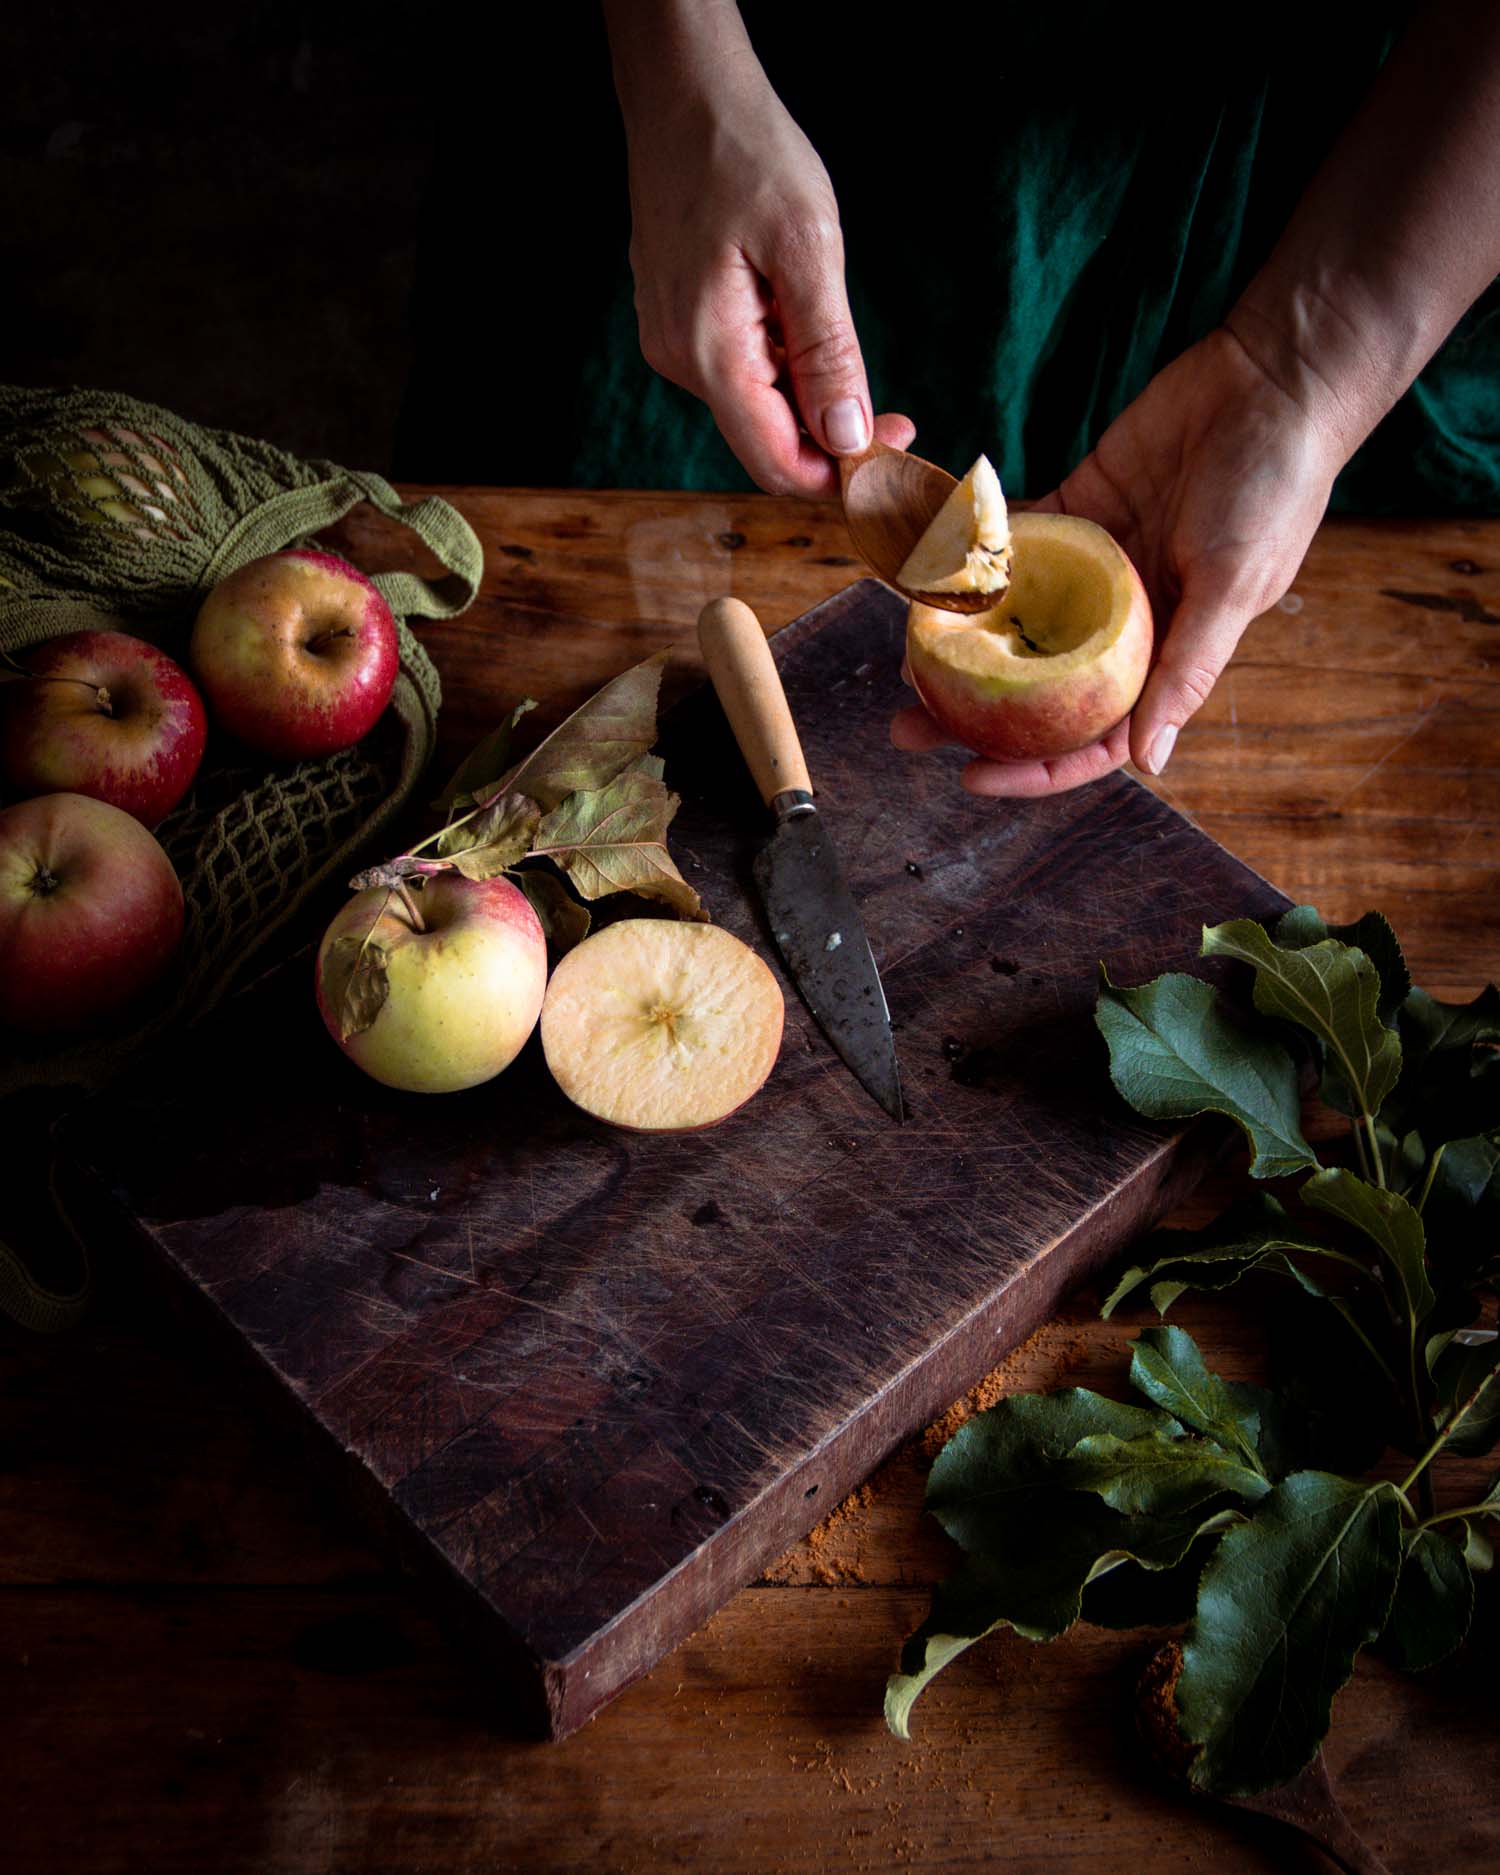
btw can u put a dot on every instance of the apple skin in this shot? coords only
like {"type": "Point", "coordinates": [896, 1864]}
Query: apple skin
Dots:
{"type": "Point", "coordinates": [139, 752]}
{"type": "Point", "coordinates": [1034, 708]}
{"type": "Point", "coordinates": [464, 994]}
{"type": "Point", "coordinates": [296, 653]}
{"type": "Point", "coordinates": [90, 912]}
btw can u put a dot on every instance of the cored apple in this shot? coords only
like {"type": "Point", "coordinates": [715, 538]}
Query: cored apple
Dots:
{"type": "Point", "coordinates": [464, 968]}
{"type": "Point", "coordinates": [296, 653]}
{"type": "Point", "coordinates": [90, 912]}
{"type": "Point", "coordinates": [103, 714]}
{"type": "Point", "coordinates": [661, 1027]}
{"type": "Point", "coordinates": [1056, 663]}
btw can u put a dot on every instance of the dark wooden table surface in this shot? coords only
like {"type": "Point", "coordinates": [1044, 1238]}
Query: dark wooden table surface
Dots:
{"type": "Point", "coordinates": [201, 1667]}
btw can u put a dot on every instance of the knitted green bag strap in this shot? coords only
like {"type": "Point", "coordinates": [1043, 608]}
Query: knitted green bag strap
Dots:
{"type": "Point", "coordinates": [115, 514]}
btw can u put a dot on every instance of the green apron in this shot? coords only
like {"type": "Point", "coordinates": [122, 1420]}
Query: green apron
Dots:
{"type": "Point", "coordinates": [1041, 208]}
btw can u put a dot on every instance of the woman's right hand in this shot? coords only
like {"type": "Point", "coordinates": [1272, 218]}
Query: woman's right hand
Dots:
{"type": "Point", "coordinates": [736, 248]}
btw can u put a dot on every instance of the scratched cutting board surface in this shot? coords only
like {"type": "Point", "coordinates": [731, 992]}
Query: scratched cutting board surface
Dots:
{"type": "Point", "coordinates": [586, 1383]}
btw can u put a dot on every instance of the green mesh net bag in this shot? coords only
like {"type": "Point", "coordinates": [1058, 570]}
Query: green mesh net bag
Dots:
{"type": "Point", "coordinates": [117, 515]}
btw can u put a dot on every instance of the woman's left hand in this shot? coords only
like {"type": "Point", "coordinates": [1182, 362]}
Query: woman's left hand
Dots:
{"type": "Point", "coordinates": [1213, 481]}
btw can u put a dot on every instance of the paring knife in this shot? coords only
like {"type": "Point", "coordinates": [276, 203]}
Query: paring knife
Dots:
{"type": "Point", "coordinates": [813, 916]}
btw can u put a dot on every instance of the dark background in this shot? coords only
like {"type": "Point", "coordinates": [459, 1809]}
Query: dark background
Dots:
{"type": "Point", "coordinates": [265, 218]}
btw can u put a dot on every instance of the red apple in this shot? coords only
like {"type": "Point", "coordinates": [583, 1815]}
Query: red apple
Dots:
{"type": "Point", "coordinates": [107, 715]}
{"type": "Point", "coordinates": [464, 974]}
{"type": "Point", "coordinates": [296, 653]}
{"type": "Point", "coordinates": [90, 912]}
{"type": "Point", "coordinates": [1056, 663]}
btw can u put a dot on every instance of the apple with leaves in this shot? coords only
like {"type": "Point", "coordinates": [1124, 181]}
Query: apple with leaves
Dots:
{"type": "Point", "coordinates": [91, 912]}
{"type": "Point", "coordinates": [296, 653]}
{"type": "Point", "coordinates": [104, 714]}
{"type": "Point", "coordinates": [434, 984]}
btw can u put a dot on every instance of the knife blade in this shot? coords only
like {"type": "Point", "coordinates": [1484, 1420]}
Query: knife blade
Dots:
{"type": "Point", "coordinates": [814, 919]}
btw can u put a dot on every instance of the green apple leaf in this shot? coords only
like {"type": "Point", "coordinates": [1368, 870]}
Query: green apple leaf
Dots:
{"type": "Point", "coordinates": [1156, 1477]}
{"type": "Point", "coordinates": [1255, 1233]}
{"type": "Point", "coordinates": [597, 743]}
{"type": "Point", "coordinates": [1434, 1600]}
{"type": "Point", "coordinates": [1479, 1552]}
{"type": "Point", "coordinates": [492, 839]}
{"type": "Point", "coordinates": [484, 764]}
{"type": "Point", "coordinates": [1166, 1366]}
{"type": "Point", "coordinates": [1175, 1050]}
{"type": "Point", "coordinates": [614, 839]}
{"type": "Point", "coordinates": [1464, 1376]}
{"type": "Point", "coordinates": [1390, 1223]}
{"type": "Point", "coordinates": [1331, 989]}
{"type": "Point", "coordinates": [564, 921]}
{"type": "Point", "coordinates": [1286, 1601]}
{"type": "Point", "coordinates": [1302, 927]}
{"type": "Point", "coordinates": [355, 979]}
{"type": "Point", "coordinates": [1014, 1447]}
{"type": "Point", "coordinates": [1059, 1541]}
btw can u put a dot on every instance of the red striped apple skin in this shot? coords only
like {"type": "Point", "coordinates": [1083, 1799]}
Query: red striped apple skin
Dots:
{"type": "Point", "coordinates": [296, 653]}
{"type": "Point", "coordinates": [1015, 709]}
{"type": "Point", "coordinates": [139, 751]}
{"type": "Point", "coordinates": [90, 912]}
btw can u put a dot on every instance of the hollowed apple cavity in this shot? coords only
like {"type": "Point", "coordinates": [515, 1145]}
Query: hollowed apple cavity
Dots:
{"type": "Point", "coordinates": [1056, 663]}
{"type": "Point", "coordinates": [661, 1027]}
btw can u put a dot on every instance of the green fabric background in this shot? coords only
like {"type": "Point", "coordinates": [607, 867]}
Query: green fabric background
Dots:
{"type": "Point", "coordinates": [1041, 208]}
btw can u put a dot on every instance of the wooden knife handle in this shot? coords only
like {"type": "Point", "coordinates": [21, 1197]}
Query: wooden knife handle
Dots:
{"type": "Point", "coordinates": [744, 674]}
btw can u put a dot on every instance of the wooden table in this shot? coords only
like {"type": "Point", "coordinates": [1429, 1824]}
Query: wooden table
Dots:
{"type": "Point", "coordinates": [200, 1668]}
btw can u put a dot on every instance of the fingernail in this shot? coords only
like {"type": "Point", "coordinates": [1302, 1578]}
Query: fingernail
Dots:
{"type": "Point", "coordinates": [1161, 749]}
{"type": "Point", "coordinates": [846, 426]}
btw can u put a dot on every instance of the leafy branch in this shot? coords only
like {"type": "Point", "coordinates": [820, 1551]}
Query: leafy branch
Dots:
{"type": "Point", "coordinates": [1223, 1506]}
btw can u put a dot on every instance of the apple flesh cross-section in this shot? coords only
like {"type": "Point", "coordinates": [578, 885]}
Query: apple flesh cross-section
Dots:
{"type": "Point", "coordinates": [661, 1027]}
{"type": "Point", "coordinates": [966, 548]}
{"type": "Point", "coordinates": [1055, 664]}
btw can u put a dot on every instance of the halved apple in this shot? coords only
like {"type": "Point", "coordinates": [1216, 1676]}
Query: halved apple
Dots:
{"type": "Point", "coordinates": [966, 548]}
{"type": "Point", "coordinates": [1056, 663]}
{"type": "Point", "coordinates": [661, 1027]}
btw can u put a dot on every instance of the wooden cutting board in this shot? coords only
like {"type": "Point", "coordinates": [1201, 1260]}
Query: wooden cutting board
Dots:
{"type": "Point", "coordinates": [586, 1383]}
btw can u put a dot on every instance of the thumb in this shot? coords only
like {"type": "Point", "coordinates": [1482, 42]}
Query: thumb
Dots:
{"type": "Point", "coordinates": [822, 351]}
{"type": "Point", "coordinates": [1198, 643]}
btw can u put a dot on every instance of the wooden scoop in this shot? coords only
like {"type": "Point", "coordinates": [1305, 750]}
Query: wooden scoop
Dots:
{"type": "Point", "coordinates": [890, 499]}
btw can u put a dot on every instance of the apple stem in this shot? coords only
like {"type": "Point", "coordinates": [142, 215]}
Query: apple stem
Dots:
{"type": "Point", "coordinates": [408, 899]}
{"type": "Point", "coordinates": [323, 638]}
{"type": "Point", "coordinates": [100, 693]}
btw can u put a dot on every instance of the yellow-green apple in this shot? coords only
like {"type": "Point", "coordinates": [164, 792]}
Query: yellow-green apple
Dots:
{"type": "Point", "coordinates": [296, 653]}
{"type": "Point", "coordinates": [104, 714]}
{"type": "Point", "coordinates": [661, 1027]}
{"type": "Point", "coordinates": [435, 989]}
{"type": "Point", "coordinates": [1051, 667]}
{"type": "Point", "coordinates": [90, 912]}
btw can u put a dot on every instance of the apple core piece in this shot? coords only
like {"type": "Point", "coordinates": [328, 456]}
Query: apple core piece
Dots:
{"type": "Point", "coordinates": [966, 548]}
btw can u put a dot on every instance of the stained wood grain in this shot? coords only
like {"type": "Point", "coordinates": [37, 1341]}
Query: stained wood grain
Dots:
{"type": "Point", "coordinates": [136, 1488]}
{"type": "Point", "coordinates": [591, 1382]}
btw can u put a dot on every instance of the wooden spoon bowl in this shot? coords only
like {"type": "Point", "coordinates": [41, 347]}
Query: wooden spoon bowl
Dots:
{"type": "Point", "coordinates": [890, 499]}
